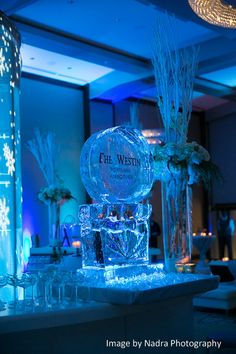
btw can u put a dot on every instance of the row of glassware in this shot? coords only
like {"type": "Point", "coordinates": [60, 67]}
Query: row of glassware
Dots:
{"type": "Point", "coordinates": [44, 290]}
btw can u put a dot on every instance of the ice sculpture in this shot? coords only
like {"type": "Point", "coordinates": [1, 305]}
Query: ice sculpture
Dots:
{"type": "Point", "coordinates": [117, 171]}
{"type": "Point", "coordinates": [116, 166]}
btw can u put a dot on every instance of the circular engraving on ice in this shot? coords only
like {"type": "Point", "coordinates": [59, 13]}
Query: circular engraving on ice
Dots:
{"type": "Point", "coordinates": [116, 166]}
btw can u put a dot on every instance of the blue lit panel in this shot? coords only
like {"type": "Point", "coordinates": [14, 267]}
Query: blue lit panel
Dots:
{"type": "Point", "coordinates": [152, 93]}
{"type": "Point", "coordinates": [10, 160]}
{"type": "Point", "coordinates": [61, 67]}
{"type": "Point", "coordinates": [225, 76]}
{"type": "Point", "coordinates": [197, 94]}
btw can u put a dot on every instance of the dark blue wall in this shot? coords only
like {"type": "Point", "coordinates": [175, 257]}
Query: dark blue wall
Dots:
{"type": "Point", "coordinates": [222, 135]}
{"type": "Point", "coordinates": [51, 108]}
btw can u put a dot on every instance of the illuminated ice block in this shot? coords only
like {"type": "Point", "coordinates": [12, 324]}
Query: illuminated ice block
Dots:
{"type": "Point", "coordinates": [117, 171]}
{"type": "Point", "coordinates": [116, 166]}
{"type": "Point", "coordinates": [114, 234]}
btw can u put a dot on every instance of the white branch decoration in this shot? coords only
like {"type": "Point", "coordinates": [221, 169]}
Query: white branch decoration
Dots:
{"type": "Point", "coordinates": [134, 117]}
{"type": "Point", "coordinates": [174, 74]}
{"type": "Point", "coordinates": [45, 151]}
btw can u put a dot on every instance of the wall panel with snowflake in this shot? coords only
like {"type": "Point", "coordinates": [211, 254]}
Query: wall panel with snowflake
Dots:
{"type": "Point", "coordinates": [10, 164]}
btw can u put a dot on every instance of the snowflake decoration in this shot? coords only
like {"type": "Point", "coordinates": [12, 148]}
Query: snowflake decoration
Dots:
{"type": "Point", "coordinates": [2, 63]}
{"type": "Point", "coordinates": [10, 161]}
{"type": "Point", "coordinates": [4, 220]}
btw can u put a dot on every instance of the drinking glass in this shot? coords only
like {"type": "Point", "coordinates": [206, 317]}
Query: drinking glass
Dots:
{"type": "Point", "coordinates": [61, 279]}
{"type": "Point", "coordinates": [26, 281]}
{"type": "Point", "coordinates": [76, 281]}
{"type": "Point", "coordinates": [14, 281]}
{"type": "Point", "coordinates": [44, 281]}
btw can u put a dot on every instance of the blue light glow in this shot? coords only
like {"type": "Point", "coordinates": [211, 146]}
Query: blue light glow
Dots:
{"type": "Point", "coordinates": [60, 67]}
{"type": "Point", "coordinates": [152, 92]}
{"type": "Point", "coordinates": [197, 94]}
{"type": "Point", "coordinates": [27, 244]}
{"type": "Point", "coordinates": [225, 76]}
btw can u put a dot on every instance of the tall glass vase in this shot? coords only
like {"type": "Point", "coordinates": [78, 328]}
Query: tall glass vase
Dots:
{"type": "Point", "coordinates": [176, 222]}
{"type": "Point", "coordinates": [54, 224]}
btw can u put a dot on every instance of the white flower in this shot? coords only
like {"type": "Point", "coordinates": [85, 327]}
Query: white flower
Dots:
{"type": "Point", "coordinates": [204, 154]}
{"type": "Point", "coordinates": [175, 169]}
{"type": "Point", "coordinates": [195, 158]}
{"type": "Point", "coordinates": [171, 149]}
{"type": "Point", "coordinates": [182, 161]}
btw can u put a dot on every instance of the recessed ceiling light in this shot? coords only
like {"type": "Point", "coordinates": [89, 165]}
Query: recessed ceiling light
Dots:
{"type": "Point", "coordinates": [58, 66]}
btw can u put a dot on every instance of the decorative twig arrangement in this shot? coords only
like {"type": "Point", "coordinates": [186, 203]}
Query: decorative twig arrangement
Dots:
{"type": "Point", "coordinates": [45, 151]}
{"type": "Point", "coordinates": [134, 117]}
{"type": "Point", "coordinates": [174, 71]}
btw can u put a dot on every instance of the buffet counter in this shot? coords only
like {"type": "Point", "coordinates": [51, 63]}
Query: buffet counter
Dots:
{"type": "Point", "coordinates": [159, 313]}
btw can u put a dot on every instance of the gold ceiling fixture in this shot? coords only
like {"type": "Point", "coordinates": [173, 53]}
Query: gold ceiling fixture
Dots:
{"type": "Point", "coordinates": [216, 12]}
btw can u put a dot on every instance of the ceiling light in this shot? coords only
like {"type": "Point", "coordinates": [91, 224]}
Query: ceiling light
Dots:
{"type": "Point", "coordinates": [216, 12]}
{"type": "Point", "coordinates": [60, 67]}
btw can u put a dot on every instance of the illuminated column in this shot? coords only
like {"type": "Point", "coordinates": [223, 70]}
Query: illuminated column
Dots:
{"type": "Point", "coordinates": [10, 155]}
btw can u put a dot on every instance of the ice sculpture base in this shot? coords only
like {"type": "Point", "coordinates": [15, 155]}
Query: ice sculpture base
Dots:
{"type": "Point", "coordinates": [114, 234]}
{"type": "Point", "coordinates": [146, 288]}
{"type": "Point", "coordinates": [103, 275]}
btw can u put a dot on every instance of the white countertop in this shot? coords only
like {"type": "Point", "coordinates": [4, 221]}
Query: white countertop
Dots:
{"type": "Point", "coordinates": [141, 299]}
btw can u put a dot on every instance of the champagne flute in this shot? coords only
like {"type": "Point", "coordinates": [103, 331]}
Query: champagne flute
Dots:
{"type": "Point", "coordinates": [13, 280]}
{"type": "Point", "coordinates": [26, 281]}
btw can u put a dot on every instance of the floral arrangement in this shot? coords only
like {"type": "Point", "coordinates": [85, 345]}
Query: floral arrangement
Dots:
{"type": "Point", "coordinates": [189, 162]}
{"type": "Point", "coordinates": [52, 194]}
{"type": "Point", "coordinates": [45, 150]}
